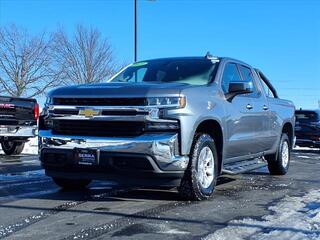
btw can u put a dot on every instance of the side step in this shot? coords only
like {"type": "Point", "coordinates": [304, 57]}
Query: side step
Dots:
{"type": "Point", "coordinates": [244, 166]}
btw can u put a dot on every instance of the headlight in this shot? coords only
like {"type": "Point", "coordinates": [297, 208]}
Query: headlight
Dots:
{"type": "Point", "coordinates": [164, 102]}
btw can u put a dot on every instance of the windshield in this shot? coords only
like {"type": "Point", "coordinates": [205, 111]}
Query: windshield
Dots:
{"type": "Point", "coordinates": [194, 72]}
{"type": "Point", "coordinates": [307, 116]}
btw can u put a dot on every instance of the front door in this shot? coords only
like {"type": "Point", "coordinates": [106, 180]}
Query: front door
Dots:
{"type": "Point", "coordinates": [238, 132]}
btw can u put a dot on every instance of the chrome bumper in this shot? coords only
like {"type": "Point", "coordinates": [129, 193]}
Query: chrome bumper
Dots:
{"type": "Point", "coordinates": [162, 147]}
{"type": "Point", "coordinates": [18, 131]}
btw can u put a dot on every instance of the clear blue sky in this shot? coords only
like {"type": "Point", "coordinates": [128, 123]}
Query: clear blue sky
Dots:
{"type": "Point", "coordinates": [282, 38]}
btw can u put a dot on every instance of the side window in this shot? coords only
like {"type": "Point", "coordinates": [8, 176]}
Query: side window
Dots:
{"type": "Point", "coordinates": [248, 76]}
{"type": "Point", "coordinates": [267, 90]}
{"type": "Point", "coordinates": [230, 74]}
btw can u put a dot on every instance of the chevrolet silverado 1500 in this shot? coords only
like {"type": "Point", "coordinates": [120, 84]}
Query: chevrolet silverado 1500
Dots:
{"type": "Point", "coordinates": [167, 122]}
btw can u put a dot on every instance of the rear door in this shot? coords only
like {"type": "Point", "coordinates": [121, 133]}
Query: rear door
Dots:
{"type": "Point", "coordinates": [272, 98]}
{"type": "Point", "coordinates": [259, 122]}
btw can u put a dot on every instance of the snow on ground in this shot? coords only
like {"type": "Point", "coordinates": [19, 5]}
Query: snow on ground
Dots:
{"type": "Point", "coordinates": [294, 218]}
{"type": "Point", "coordinates": [304, 148]}
{"type": "Point", "coordinates": [31, 147]}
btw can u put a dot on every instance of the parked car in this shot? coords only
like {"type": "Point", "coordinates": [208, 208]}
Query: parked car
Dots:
{"type": "Point", "coordinates": [308, 128]}
{"type": "Point", "coordinates": [18, 123]}
{"type": "Point", "coordinates": [167, 122]}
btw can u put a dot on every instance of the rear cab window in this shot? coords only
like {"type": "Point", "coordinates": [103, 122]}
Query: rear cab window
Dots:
{"type": "Point", "coordinates": [268, 89]}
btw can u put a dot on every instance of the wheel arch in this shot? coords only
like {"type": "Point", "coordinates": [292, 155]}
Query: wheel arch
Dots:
{"type": "Point", "coordinates": [214, 129]}
{"type": "Point", "coordinates": [288, 129]}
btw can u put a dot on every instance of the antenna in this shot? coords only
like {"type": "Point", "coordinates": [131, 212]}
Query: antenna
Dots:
{"type": "Point", "coordinates": [208, 55]}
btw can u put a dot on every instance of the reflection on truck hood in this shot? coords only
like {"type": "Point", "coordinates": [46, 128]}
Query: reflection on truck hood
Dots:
{"type": "Point", "coordinates": [120, 90]}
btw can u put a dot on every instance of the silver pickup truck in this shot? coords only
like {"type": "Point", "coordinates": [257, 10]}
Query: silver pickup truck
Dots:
{"type": "Point", "coordinates": [167, 122]}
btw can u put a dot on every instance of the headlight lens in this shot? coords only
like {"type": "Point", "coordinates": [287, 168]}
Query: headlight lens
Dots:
{"type": "Point", "coordinates": [178, 102]}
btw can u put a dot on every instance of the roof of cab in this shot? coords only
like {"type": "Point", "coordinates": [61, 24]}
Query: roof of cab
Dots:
{"type": "Point", "coordinates": [214, 58]}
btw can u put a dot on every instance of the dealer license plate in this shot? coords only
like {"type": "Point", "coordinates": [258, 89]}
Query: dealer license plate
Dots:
{"type": "Point", "coordinates": [86, 156]}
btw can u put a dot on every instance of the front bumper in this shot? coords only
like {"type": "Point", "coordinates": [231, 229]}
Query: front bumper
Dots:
{"type": "Point", "coordinates": [18, 131]}
{"type": "Point", "coordinates": [161, 150]}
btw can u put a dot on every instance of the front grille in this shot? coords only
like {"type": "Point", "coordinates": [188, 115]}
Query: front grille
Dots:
{"type": "Point", "coordinates": [100, 101]}
{"type": "Point", "coordinates": [66, 111]}
{"type": "Point", "coordinates": [97, 128]}
{"type": "Point", "coordinates": [103, 112]}
{"type": "Point", "coordinates": [123, 113]}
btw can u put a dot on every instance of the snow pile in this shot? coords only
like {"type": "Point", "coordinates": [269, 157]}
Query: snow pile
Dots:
{"type": "Point", "coordinates": [305, 148]}
{"type": "Point", "coordinates": [31, 147]}
{"type": "Point", "coordinates": [292, 218]}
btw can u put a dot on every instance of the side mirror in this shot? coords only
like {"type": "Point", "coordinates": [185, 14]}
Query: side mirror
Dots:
{"type": "Point", "coordinates": [241, 87]}
{"type": "Point", "coordinates": [237, 88]}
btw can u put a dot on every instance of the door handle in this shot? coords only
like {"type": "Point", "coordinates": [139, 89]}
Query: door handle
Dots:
{"type": "Point", "coordinates": [249, 106]}
{"type": "Point", "coordinates": [265, 108]}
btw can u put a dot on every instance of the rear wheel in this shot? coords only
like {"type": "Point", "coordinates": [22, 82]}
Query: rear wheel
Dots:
{"type": "Point", "coordinates": [279, 162]}
{"type": "Point", "coordinates": [71, 184]}
{"type": "Point", "coordinates": [200, 178]}
{"type": "Point", "coordinates": [12, 148]}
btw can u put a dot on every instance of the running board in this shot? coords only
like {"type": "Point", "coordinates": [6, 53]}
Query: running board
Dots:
{"type": "Point", "coordinates": [243, 166]}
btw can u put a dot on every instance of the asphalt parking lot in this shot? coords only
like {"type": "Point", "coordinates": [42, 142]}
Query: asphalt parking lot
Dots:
{"type": "Point", "coordinates": [33, 207]}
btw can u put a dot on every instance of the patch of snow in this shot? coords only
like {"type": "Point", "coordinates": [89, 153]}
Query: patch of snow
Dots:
{"type": "Point", "coordinates": [292, 218]}
{"type": "Point", "coordinates": [301, 156]}
{"type": "Point", "coordinates": [31, 147]}
{"type": "Point", "coordinates": [304, 148]}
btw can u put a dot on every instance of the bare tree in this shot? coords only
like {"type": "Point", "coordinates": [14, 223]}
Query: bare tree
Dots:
{"type": "Point", "coordinates": [87, 57]}
{"type": "Point", "coordinates": [25, 63]}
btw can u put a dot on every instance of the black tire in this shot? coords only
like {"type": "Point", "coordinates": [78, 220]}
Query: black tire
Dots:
{"type": "Point", "coordinates": [276, 163]}
{"type": "Point", "coordinates": [191, 188]}
{"type": "Point", "coordinates": [12, 148]}
{"type": "Point", "coordinates": [71, 184]}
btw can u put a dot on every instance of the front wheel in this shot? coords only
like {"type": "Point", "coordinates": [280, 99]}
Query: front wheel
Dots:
{"type": "Point", "coordinates": [12, 148]}
{"type": "Point", "coordinates": [71, 184]}
{"type": "Point", "coordinates": [278, 163]}
{"type": "Point", "coordinates": [200, 178]}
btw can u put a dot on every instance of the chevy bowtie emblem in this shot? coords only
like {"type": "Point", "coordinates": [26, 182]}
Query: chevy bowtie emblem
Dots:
{"type": "Point", "coordinates": [88, 112]}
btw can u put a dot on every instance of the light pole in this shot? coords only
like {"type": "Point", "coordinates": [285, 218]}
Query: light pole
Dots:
{"type": "Point", "coordinates": [135, 30]}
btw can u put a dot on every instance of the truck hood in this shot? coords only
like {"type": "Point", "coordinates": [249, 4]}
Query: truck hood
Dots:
{"type": "Point", "coordinates": [120, 90]}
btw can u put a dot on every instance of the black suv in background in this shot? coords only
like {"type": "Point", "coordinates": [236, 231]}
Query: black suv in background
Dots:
{"type": "Point", "coordinates": [308, 128]}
